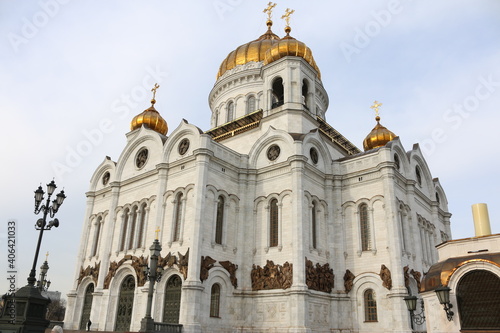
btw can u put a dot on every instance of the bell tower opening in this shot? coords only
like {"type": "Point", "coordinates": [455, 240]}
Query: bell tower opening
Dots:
{"type": "Point", "coordinates": [278, 93]}
{"type": "Point", "coordinates": [305, 93]}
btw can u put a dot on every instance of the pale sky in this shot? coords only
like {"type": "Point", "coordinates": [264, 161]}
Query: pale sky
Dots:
{"type": "Point", "coordinates": [74, 73]}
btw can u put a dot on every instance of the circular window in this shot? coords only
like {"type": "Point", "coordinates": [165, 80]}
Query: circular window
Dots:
{"type": "Point", "coordinates": [105, 178]}
{"type": "Point", "coordinates": [314, 155]}
{"type": "Point", "coordinates": [397, 162]}
{"type": "Point", "coordinates": [141, 158]}
{"type": "Point", "coordinates": [273, 152]}
{"type": "Point", "coordinates": [183, 146]}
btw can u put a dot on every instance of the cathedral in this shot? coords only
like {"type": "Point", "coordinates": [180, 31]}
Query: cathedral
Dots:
{"type": "Point", "coordinates": [269, 221]}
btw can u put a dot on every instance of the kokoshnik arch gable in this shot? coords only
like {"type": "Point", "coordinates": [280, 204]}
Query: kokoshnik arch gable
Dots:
{"type": "Point", "coordinates": [271, 219]}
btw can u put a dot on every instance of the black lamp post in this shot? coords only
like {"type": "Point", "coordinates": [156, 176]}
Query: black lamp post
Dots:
{"type": "Point", "coordinates": [443, 294]}
{"type": "Point", "coordinates": [154, 274]}
{"type": "Point", "coordinates": [41, 224]}
{"type": "Point", "coordinates": [42, 283]}
{"type": "Point", "coordinates": [411, 305]}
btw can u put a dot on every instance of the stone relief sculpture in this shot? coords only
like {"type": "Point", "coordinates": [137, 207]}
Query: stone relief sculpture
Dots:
{"type": "Point", "coordinates": [348, 280]}
{"type": "Point", "coordinates": [385, 275]}
{"type": "Point", "coordinates": [417, 276]}
{"type": "Point", "coordinates": [89, 271]}
{"type": "Point", "coordinates": [182, 263]}
{"type": "Point", "coordinates": [272, 276]}
{"type": "Point", "coordinates": [320, 278]}
{"type": "Point", "coordinates": [231, 268]}
{"type": "Point", "coordinates": [406, 275]}
{"type": "Point", "coordinates": [168, 261]}
{"type": "Point", "coordinates": [137, 264]}
{"type": "Point", "coordinates": [206, 264]}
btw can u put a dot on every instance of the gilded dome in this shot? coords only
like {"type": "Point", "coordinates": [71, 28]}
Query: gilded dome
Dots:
{"type": "Point", "coordinates": [252, 51]}
{"type": "Point", "coordinates": [378, 137]}
{"type": "Point", "coordinates": [152, 119]}
{"type": "Point", "coordinates": [289, 46]}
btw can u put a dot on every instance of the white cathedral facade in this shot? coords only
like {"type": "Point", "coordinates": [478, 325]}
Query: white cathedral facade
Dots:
{"type": "Point", "coordinates": [270, 221]}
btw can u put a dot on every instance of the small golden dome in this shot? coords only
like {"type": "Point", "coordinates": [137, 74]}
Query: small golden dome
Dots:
{"type": "Point", "coordinates": [151, 118]}
{"type": "Point", "coordinates": [253, 51]}
{"type": "Point", "coordinates": [378, 137]}
{"type": "Point", "coordinates": [289, 46]}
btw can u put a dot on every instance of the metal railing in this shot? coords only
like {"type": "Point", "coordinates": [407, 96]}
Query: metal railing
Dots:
{"type": "Point", "coordinates": [168, 328]}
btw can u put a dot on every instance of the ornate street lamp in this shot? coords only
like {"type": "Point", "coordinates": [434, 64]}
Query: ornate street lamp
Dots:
{"type": "Point", "coordinates": [411, 305]}
{"type": "Point", "coordinates": [154, 274]}
{"type": "Point", "coordinates": [443, 294]}
{"type": "Point", "coordinates": [42, 283]}
{"type": "Point", "coordinates": [41, 224]}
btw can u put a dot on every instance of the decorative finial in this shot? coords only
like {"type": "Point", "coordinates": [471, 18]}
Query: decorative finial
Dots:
{"type": "Point", "coordinates": [286, 16]}
{"type": "Point", "coordinates": [268, 10]}
{"type": "Point", "coordinates": [47, 256]}
{"type": "Point", "coordinates": [157, 231]}
{"type": "Point", "coordinates": [375, 107]}
{"type": "Point", "coordinates": [153, 101]}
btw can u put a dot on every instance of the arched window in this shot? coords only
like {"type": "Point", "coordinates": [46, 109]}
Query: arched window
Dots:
{"type": "Point", "coordinates": [397, 162]}
{"type": "Point", "coordinates": [216, 118]}
{"type": "Point", "coordinates": [403, 227]}
{"type": "Point", "coordinates": [278, 93]}
{"type": "Point", "coordinates": [125, 305]}
{"type": "Point", "coordinates": [305, 92]}
{"type": "Point", "coordinates": [251, 104]}
{"type": "Point", "coordinates": [230, 111]}
{"type": "Point", "coordinates": [124, 229]}
{"type": "Point", "coordinates": [133, 221]}
{"type": "Point", "coordinates": [418, 175]}
{"type": "Point", "coordinates": [219, 223]}
{"type": "Point", "coordinates": [313, 224]}
{"type": "Point", "coordinates": [172, 300]}
{"type": "Point", "coordinates": [477, 298]}
{"type": "Point", "coordinates": [177, 218]}
{"type": "Point", "coordinates": [97, 233]}
{"type": "Point", "coordinates": [87, 306]}
{"type": "Point", "coordinates": [273, 223]}
{"type": "Point", "coordinates": [370, 306]}
{"type": "Point", "coordinates": [364, 226]}
{"type": "Point", "coordinates": [142, 226]}
{"type": "Point", "coordinates": [215, 301]}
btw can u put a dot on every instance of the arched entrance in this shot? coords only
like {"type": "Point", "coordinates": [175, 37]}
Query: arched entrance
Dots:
{"type": "Point", "coordinates": [478, 298]}
{"type": "Point", "coordinates": [125, 304]}
{"type": "Point", "coordinates": [172, 303]}
{"type": "Point", "coordinates": [87, 306]}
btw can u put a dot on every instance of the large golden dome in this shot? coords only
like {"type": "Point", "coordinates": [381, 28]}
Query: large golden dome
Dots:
{"type": "Point", "coordinates": [289, 46]}
{"type": "Point", "coordinates": [253, 51]}
{"type": "Point", "coordinates": [151, 118]}
{"type": "Point", "coordinates": [378, 137]}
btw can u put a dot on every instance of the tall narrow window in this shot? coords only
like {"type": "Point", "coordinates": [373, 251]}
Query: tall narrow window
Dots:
{"type": "Point", "coordinates": [177, 221]}
{"type": "Point", "coordinates": [124, 229]}
{"type": "Point", "coordinates": [216, 118]}
{"type": "Point", "coordinates": [418, 175]}
{"type": "Point", "coordinates": [278, 93]}
{"type": "Point", "coordinates": [313, 224]}
{"type": "Point", "coordinates": [403, 227]}
{"type": "Point", "coordinates": [305, 92]}
{"type": "Point", "coordinates": [230, 111]}
{"type": "Point", "coordinates": [273, 223]}
{"type": "Point", "coordinates": [133, 220]}
{"type": "Point", "coordinates": [96, 236]}
{"type": "Point", "coordinates": [251, 104]}
{"type": "Point", "coordinates": [364, 226]}
{"type": "Point", "coordinates": [219, 220]}
{"type": "Point", "coordinates": [142, 226]}
{"type": "Point", "coordinates": [215, 301]}
{"type": "Point", "coordinates": [370, 306]}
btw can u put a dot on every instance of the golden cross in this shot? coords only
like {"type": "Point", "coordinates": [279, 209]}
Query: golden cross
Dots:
{"type": "Point", "coordinates": [287, 14]}
{"type": "Point", "coordinates": [375, 107]}
{"type": "Point", "coordinates": [46, 255]}
{"type": "Point", "coordinates": [269, 10]}
{"type": "Point", "coordinates": [157, 231]}
{"type": "Point", "coordinates": [154, 90]}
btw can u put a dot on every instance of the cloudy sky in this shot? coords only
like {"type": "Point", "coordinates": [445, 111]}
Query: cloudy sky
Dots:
{"type": "Point", "coordinates": [74, 73]}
